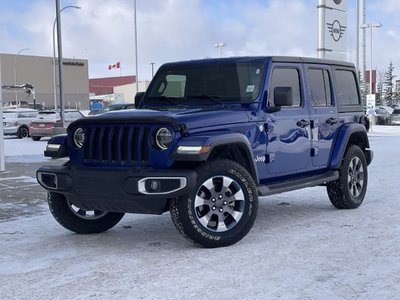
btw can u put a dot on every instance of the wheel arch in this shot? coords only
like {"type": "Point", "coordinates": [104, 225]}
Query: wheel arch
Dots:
{"type": "Point", "coordinates": [233, 146]}
{"type": "Point", "coordinates": [350, 134]}
{"type": "Point", "coordinates": [238, 152]}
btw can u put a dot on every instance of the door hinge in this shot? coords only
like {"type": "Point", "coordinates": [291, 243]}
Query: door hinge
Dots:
{"type": "Point", "coordinates": [314, 152]}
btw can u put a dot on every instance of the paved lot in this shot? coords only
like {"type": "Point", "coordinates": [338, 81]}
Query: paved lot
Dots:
{"type": "Point", "coordinates": [299, 248]}
{"type": "Point", "coordinates": [20, 194]}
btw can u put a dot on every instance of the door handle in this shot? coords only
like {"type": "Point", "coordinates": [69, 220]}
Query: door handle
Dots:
{"type": "Point", "coordinates": [332, 121]}
{"type": "Point", "coordinates": [303, 123]}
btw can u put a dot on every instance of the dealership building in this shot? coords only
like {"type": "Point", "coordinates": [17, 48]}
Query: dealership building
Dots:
{"type": "Point", "coordinates": [38, 71]}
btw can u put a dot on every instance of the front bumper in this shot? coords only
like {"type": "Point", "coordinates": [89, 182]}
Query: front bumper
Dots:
{"type": "Point", "coordinates": [144, 191]}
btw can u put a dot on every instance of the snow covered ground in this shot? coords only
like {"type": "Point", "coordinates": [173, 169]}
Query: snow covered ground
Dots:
{"type": "Point", "coordinates": [299, 248]}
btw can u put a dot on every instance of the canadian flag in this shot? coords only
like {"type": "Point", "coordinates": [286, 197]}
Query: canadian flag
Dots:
{"type": "Point", "coordinates": [114, 66]}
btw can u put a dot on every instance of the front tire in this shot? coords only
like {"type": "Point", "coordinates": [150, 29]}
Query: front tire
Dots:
{"type": "Point", "coordinates": [222, 208]}
{"type": "Point", "coordinates": [348, 191]}
{"type": "Point", "coordinates": [36, 138]}
{"type": "Point", "coordinates": [79, 220]}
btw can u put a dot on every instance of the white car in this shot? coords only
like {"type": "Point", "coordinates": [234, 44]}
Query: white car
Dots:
{"type": "Point", "coordinates": [17, 121]}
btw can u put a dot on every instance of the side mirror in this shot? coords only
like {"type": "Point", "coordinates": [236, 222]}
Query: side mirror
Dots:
{"type": "Point", "coordinates": [283, 96]}
{"type": "Point", "coordinates": [138, 98]}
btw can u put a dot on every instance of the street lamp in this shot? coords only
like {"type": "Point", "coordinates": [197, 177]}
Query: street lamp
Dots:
{"type": "Point", "coordinates": [364, 26]}
{"type": "Point", "coordinates": [54, 55]}
{"type": "Point", "coordinates": [219, 46]}
{"type": "Point", "coordinates": [152, 70]}
{"type": "Point", "coordinates": [15, 73]}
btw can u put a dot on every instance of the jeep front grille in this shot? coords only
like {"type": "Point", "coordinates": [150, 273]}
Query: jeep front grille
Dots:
{"type": "Point", "coordinates": [116, 145]}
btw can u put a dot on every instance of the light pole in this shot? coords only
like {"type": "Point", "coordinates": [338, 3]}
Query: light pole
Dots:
{"type": "Point", "coordinates": [364, 26]}
{"type": "Point", "coordinates": [15, 73]}
{"type": "Point", "coordinates": [152, 70]}
{"type": "Point", "coordinates": [54, 55]}
{"type": "Point", "coordinates": [219, 46]}
{"type": "Point", "coordinates": [136, 46]}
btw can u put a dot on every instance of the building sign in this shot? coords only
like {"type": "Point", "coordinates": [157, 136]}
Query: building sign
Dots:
{"type": "Point", "coordinates": [371, 104]}
{"type": "Point", "coordinates": [337, 4]}
{"type": "Point", "coordinates": [335, 30]}
{"type": "Point", "coordinates": [332, 31]}
{"type": "Point", "coordinates": [73, 63]}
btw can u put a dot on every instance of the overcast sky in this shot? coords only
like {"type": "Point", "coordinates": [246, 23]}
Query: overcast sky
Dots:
{"type": "Point", "coordinates": [170, 30]}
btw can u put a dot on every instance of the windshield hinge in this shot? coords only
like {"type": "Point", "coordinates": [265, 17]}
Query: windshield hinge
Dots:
{"type": "Point", "coordinates": [183, 129]}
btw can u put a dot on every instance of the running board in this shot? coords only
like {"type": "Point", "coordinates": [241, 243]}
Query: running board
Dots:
{"type": "Point", "coordinates": [296, 184]}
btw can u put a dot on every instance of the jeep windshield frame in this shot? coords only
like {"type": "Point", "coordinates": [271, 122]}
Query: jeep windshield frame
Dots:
{"type": "Point", "coordinates": [205, 83]}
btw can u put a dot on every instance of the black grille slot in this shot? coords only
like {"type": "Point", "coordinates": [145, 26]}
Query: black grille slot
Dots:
{"type": "Point", "coordinates": [117, 145]}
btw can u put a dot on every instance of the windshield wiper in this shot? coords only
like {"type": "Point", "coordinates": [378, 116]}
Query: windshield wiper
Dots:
{"type": "Point", "coordinates": [215, 99]}
{"type": "Point", "coordinates": [171, 100]}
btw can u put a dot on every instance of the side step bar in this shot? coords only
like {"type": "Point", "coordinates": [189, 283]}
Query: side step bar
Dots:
{"type": "Point", "coordinates": [296, 184]}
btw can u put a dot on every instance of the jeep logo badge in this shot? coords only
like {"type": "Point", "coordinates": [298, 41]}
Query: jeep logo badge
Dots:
{"type": "Point", "coordinates": [336, 30]}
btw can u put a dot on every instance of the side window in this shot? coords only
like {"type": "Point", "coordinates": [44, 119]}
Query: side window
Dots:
{"type": "Point", "coordinates": [320, 87]}
{"type": "Point", "coordinates": [285, 84]}
{"type": "Point", "coordinates": [346, 88]}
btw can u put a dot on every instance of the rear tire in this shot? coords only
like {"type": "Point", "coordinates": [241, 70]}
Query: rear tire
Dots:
{"type": "Point", "coordinates": [23, 132]}
{"type": "Point", "coordinates": [222, 207]}
{"type": "Point", "coordinates": [348, 191]}
{"type": "Point", "coordinates": [80, 220]}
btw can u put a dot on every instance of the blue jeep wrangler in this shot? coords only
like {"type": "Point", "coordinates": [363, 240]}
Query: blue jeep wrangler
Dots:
{"type": "Point", "coordinates": [207, 139]}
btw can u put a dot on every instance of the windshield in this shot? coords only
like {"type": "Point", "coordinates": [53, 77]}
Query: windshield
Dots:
{"type": "Point", "coordinates": [211, 83]}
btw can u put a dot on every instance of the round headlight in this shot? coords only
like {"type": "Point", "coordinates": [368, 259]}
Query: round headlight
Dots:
{"type": "Point", "coordinates": [163, 138]}
{"type": "Point", "coordinates": [79, 137]}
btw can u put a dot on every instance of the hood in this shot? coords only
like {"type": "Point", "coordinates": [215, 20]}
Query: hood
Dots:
{"type": "Point", "coordinates": [192, 118]}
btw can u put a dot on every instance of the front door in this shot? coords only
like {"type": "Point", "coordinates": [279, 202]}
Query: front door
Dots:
{"type": "Point", "coordinates": [288, 129]}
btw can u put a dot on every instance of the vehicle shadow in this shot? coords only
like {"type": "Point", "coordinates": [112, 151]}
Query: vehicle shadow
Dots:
{"type": "Point", "coordinates": [280, 213]}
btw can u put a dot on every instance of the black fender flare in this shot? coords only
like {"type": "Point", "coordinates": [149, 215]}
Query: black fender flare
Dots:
{"type": "Point", "coordinates": [348, 132]}
{"type": "Point", "coordinates": [214, 142]}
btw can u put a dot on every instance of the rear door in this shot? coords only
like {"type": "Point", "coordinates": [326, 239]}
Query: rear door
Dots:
{"type": "Point", "coordinates": [324, 115]}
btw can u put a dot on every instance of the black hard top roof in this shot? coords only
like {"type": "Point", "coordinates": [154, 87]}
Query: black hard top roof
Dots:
{"type": "Point", "coordinates": [292, 59]}
{"type": "Point", "coordinates": [310, 60]}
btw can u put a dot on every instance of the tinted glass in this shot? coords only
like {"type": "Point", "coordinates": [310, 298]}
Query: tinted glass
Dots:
{"type": "Point", "coordinates": [346, 88]}
{"type": "Point", "coordinates": [320, 88]}
{"type": "Point", "coordinates": [285, 78]}
{"type": "Point", "coordinates": [195, 83]}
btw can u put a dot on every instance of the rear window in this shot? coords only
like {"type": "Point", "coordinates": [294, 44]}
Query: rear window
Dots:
{"type": "Point", "coordinates": [47, 115]}
{"type": "Point", "coordinates": [346, 88]}
{"type": "Point", "coordinates": [396, 112]}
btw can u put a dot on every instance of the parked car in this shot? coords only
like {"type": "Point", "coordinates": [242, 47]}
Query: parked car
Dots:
{"type": "Point", "coordinates": [382, 115]}
{"type": "Point", "coordinates": [116, 106]}
{"type": "Point", "coordinates": [395, 117]}
{"type": "Point", "coordinates": [48, 123]}
{"type": "Point", "coordinates": [16, 121]}
{"type": "Point", "coordinates": [207, 139]}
